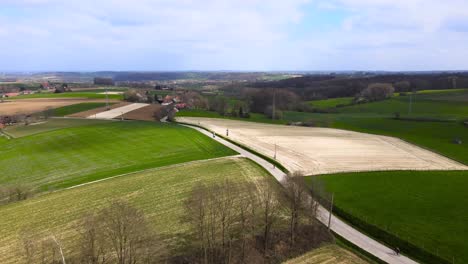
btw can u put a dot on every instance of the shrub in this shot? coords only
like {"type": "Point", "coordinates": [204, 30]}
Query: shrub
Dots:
{"type": "Point", "coordinates": [377, 91]}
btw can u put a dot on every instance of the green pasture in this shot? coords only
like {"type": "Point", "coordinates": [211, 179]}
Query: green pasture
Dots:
{"type": "Point", "coordinates": [426, 208]}
{"type": "Point", "coordinates": [69, 156]}
{"type": "Point", "coordinates": [76, 108]}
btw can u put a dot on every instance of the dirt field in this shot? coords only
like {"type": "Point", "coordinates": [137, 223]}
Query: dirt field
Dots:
{"type": "Point", "coordinates": [29, 106]}
{"type": "Point", "coordinates": [146, 113]}
{"type": "Point", "coordinates": [91, 112]}
{"type": "Point", "coordinates": [326, 150]}
{"type": "Point", "coordinates": [116, 112]}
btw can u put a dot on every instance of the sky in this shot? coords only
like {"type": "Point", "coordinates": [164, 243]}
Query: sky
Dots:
{"type": "Point", "coordinates": [237, 35]}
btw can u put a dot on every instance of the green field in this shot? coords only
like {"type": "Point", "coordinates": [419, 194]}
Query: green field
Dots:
{"type": "Point", "coordinates": [426, 208]}
{"type": "Point", "coordinates": [79, 94]}
{"type": "Point", "coordinates": [51, 124]}
{"type": "Point", "coordinates": [76, 108]}
{"type": "Point", "coordinates": [329, 103]}
{"type": "Point", "coordinates": [69, 156]}
{"type": "Point", "coordinates": [159, 192]}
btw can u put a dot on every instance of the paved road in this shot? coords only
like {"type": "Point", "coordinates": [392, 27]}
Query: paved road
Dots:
{"type": "Point", "coordinates": [341, 228]}
{"type": "Point", "coordinates": [113, 113]}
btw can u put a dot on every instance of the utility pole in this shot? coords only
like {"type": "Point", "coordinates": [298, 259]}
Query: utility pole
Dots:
{"type": "Point", "coordinates": [410, 103]}
{"type": "Point", "coordinates": [107, 100]}
{"type": "Point", "coordinates": [331, 211]}
{"type": "Point", "coordinates": [275, 151]}
{"type": "Point", "coordinates": [274, 105]}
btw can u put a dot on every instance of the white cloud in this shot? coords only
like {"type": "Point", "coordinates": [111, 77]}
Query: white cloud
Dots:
{"type": "Point", "coordinates": [230, 34]}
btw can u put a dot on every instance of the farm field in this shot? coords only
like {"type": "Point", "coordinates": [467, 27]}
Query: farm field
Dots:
{"type": "Point", "coordinates": [69, 156]}
{"type": "Point", "coordinates": [49, 125]}
{"type": "Point", "coordinates": [324, 150]}
{"type": "Point", "coordinates": [72, 109]}
{"type": "Point", "coordinates": [29, 106]}
{"type": "Point", "coordinates": [333, 102]}
{"type": "Point", "coordinates": [328, 254]}
{"type": "Point", "coordinates": [159, 193]}
{"type": "Point", "coordinates": [428, 209]}
{"type": "Point", "coordinates": [94, 94]}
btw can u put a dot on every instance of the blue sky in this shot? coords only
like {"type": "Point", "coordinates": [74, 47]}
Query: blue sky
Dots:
{"type": "Point", "coordinates": [43, 35]}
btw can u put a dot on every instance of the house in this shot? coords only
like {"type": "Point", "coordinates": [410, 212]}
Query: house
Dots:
{"type": "Point", "coordinates": [181, 105]}
{"type": "Point", "coordinates": [10, 94]}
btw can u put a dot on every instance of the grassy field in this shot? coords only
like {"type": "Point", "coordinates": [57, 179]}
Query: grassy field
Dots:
{"type": "Point", "coordinates": [329, 103]}
{"type": "Point", "coordinates": [328, 254]}
{"type": "Point", "coordinates": [51, 124]}
{"type": "Point", "coordinates": [79, 94]}
{"type": "Point", "coordinates": [427, 209]}
{"type": "Point", "coordinates": [69, 156]}
{"type": "Point", "coordinates": [159, 192]}
{"type": "Point", "coordinates": [76, 108]}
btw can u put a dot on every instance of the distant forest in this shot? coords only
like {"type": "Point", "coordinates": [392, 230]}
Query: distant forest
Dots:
{"type": "Point", "coordinates": [312, 87]}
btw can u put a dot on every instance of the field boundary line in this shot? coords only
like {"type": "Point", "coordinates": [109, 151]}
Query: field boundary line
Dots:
{"type": "Point", "coordinates": [146, 170]}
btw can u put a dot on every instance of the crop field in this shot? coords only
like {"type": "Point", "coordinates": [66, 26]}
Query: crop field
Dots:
{"type": "Point", "coordinates": [79, 94]}
{"type": "Point", "coordinates": [427, 209]}
{"type": "Point", "coordinates": [69, 156]}
{"type": "Point", "coordinates": [325, 150]}
{"type": "Point", "coordinates": [72, 109]}
{"type": "Point", "coordinates": [333, 102]}
{"type": "Point", "coordinates": [51, 124]}
{"type": "Point", "coordinates": [29, 106]}
{"type": "Point", "coordinates": [159, 193]}
{"type": "Point", "coordinates": [328, 254]}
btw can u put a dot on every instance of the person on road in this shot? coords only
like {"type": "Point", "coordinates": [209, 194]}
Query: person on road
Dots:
{"type": "Point", "coordinates": [397, 251]}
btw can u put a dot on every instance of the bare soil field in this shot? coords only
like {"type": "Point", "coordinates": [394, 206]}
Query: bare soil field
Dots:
{"type": "Point", "coordinates": [326, 150]}
{"type": "Point", "coordinates": [119, 111]}
{"type": "Point", "coordinates": [29, 106]}
{"type": "Point", "coordinates": [94, 111]}
{"type": "Point", "coordinates": [145, 114]}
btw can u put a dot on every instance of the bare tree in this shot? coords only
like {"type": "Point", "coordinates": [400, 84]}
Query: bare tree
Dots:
{"type": "Point", "coordinates": [126, 229]}
{"type": "Point", "coordinates": [269, 206]}
{"type": "Point", "coordinates": [297, 198]}
{"type": "Point", "coordinates": [93, 246]}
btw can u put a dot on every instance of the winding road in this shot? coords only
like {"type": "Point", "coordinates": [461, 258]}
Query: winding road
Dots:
{"type": "Point", "coordinates": [338, 226]}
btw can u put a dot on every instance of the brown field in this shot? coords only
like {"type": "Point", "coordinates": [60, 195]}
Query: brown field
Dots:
{"type": "Point", "coordinates": [326, 150]}
{"type": "Point", "coordinates": [29, 106]}
{"type": "Point", "coordinates": [146, 113]}
{"type": "Point", "coordinates": [94, 111]}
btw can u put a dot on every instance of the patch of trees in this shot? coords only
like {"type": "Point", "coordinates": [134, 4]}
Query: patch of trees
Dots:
{"type": "Point", "coordinates": [239, 222]}
{"type": "Point", "coordinates": [103, 81]}
{"type": "Point", "coordinates": [134, 96]}
{"type": "Point", "coordinates": [376, 92]}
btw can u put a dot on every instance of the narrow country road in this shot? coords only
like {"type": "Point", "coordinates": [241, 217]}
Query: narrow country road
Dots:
{"type": "Point", "coordinates": [338, 226]}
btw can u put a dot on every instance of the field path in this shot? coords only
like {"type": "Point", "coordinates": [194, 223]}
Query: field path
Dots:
{"type": "Point", "coordinates": [339, 227]}
{"type": "Point", "coordinates": [116, 112]}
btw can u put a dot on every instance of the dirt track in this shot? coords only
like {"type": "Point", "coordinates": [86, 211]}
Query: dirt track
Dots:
{"type": "Point", "coordinates": [325, 150]}
{"type": "Point", "coordinates": [29, 106]}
